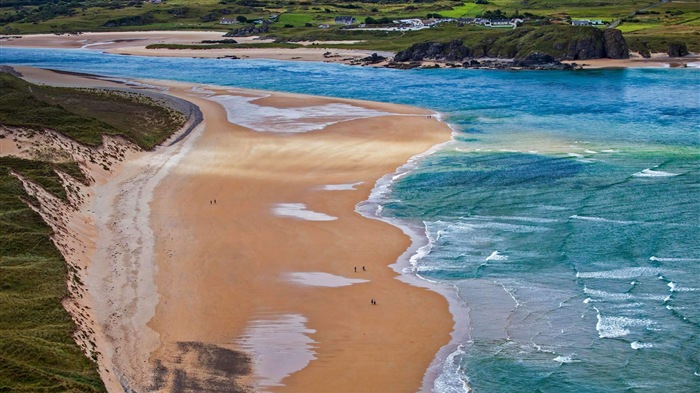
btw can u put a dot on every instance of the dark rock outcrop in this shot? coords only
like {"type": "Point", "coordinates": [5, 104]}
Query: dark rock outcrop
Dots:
{"type": "Point", "coordinates": [615, 44]}
{"type": "Point", "coordinates": [677, 49]}
{"type": "Point", "coordinates": [559, 42]}
{"type": "Point", "coordinates": [452, 51]}
{"type": "Point", "coordinates": [249, 30]}
{"type": "Point", "coordinates": [541, 61]}
{"type": "Point", "coordinates": [590, 47]}
{"type": "Point", "coordinates": [403, 66]}
{"type": "Point", "coordinates": [373, 59]}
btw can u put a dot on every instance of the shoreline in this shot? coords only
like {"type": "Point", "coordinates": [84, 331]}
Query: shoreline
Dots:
{"type": "Point", "coordinates": [314, 377]}
{"type": "Point", "coordinates": [346, 159]}
{"type": "Point", "coordinates": [134, 43]}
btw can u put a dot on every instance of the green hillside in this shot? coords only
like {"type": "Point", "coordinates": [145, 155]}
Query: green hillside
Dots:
{"type": "Point", "coordinates": [646, 23]}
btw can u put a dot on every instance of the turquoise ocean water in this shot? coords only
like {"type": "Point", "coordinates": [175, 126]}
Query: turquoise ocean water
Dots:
{"type": "Point", "coordinates": [565, 214]}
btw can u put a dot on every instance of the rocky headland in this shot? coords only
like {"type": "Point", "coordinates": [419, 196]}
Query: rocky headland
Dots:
{"type": "Point", "coordinates": [526, 48]}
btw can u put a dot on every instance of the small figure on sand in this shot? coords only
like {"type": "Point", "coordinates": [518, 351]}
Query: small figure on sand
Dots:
{"type": "Point", "coordinates": [373, 301]}
{"type": "Point", "coordinates": [355, 269]}
{"type": "Point", "coordinates": [363, 269]}
{"type": "Point", "coordinates": [215, 201]}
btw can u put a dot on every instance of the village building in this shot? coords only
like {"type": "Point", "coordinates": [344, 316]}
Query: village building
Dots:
{"type": "Point", "coordinates": [500, 22]}
{"type": "Point", "coordinates": [227, 21]}
{"type": "Point", "coordinates": [345, 20]}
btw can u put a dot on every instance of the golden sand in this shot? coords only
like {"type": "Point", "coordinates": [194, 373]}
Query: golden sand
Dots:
{"type": "Point", "coordinates": [181, 290]}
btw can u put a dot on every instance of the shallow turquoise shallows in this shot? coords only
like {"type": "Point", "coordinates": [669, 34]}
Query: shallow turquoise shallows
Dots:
{"type": "Point", "coordinates": [565, 213]}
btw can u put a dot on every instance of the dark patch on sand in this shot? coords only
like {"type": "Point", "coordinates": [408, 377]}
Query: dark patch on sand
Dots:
{"type": "Point", "coordinates": [201, 367]}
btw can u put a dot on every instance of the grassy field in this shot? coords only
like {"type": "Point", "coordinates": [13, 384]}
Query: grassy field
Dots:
{"type": "Point", "coordinates": [37, 351]}
{"type": "Point", "coordinates": [85, 115]}
{"type": "Point", "coordinates": [297, 19]}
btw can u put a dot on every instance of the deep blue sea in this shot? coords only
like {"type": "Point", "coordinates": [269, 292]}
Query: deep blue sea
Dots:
{"type": "Point", "coordinates": [565, 213]}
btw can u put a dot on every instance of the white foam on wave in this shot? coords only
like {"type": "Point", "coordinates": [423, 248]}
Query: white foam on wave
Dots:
{"type": "Point", "coordinates": [452, 379]}
{"type": "Point", "coordinates": [601, 219]}
{"type": "Point", "coordinates": [610, 296]}
{"type": "Point", "coordinates": [613, 327]}
{"type": "Point", "coordinates": [538, 220]}
{"type": "Point", "coordinates": [564, 359]}
{"type": "Point", "coordinates": [299, 210]}
{"type": "Point", "coordinates": [641, 345]}
{"type": "Point", "coordinates": [424, 250]}
{"type": "Point", "coordinates": [321, 279]}
{"type": "Point", "coordinates": [677, 288]}
{"type": "Point", "coordinates": [657, 259]}
{"type": "Point", "coordinates": [496, 256]}
{"type": "Point", "coordinates": [340, 187]}
{"type": "Point", "coordinates": [242, 111]}
{"type": "Point", "coordinates": [501, 226]}
{"type": "Point", "coordinates": [626, 273]}
{"type": "Point", "coordinates": [280, 345]}
{"type": "Point", "coordinates": [652, 173]}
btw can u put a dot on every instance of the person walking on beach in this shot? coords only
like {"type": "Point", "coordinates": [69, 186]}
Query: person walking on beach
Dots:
{"type": "Point", "coordinates": [363, 269]}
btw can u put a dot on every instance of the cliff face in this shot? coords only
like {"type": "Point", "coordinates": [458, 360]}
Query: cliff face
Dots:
{"type": "Point", "coordinates": [615, 44]}
{"type": "Point", "coordinates": [561, 42]}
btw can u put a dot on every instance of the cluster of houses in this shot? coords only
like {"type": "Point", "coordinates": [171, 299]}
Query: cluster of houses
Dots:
{"type": "Point", "coordinates": [270, 19]}
{"type": "Point", "coordinates": [419, 24]}
{"type": "Point", "coordinates": [586, 22]}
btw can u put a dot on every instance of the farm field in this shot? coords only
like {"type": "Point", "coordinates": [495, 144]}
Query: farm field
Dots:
{"type": "Point", "coordinates": [651, 22]}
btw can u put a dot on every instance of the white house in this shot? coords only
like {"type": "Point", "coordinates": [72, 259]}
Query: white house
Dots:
{"type": "Point", "coordinates": [345, 20]}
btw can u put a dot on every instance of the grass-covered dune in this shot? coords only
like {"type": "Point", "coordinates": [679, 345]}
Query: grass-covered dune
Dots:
{"type": "Point", "coordinates": [86, 114]}
{"type": "Point", "coordinates": [37, 350]}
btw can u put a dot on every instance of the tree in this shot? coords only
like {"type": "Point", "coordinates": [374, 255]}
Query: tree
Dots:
{"type": "Point", "coordinates": [242, 19]}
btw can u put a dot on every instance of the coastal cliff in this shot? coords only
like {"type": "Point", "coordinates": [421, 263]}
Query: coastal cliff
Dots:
{"type": "Point", "coordinates": [560, 42]}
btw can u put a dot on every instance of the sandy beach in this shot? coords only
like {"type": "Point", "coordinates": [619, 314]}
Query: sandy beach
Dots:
{"type": "Point", "coordinates": [235, 259]}
{"type": "Point", "coordinates": [657, 60]}
{"type": "Point", "coordinates": [134, 43]}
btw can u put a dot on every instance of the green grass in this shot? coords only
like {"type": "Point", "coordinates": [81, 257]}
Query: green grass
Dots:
{"type": "Point", "coordinates": [467, 10]}
{"type": "Point", "coordinates": [37, 352]}
{"type": "Point", "coordinates": [673, 17]}
{"type": "Point", "coordinates": [85, 115]}
{"type": "Point", "coordinates": [298, 20]}
{"type": "Point", "coordinates": [630, 27]}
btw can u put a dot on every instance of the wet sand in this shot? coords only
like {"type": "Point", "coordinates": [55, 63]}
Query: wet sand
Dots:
{"type": "Point", "coordinates": [227, 275]}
